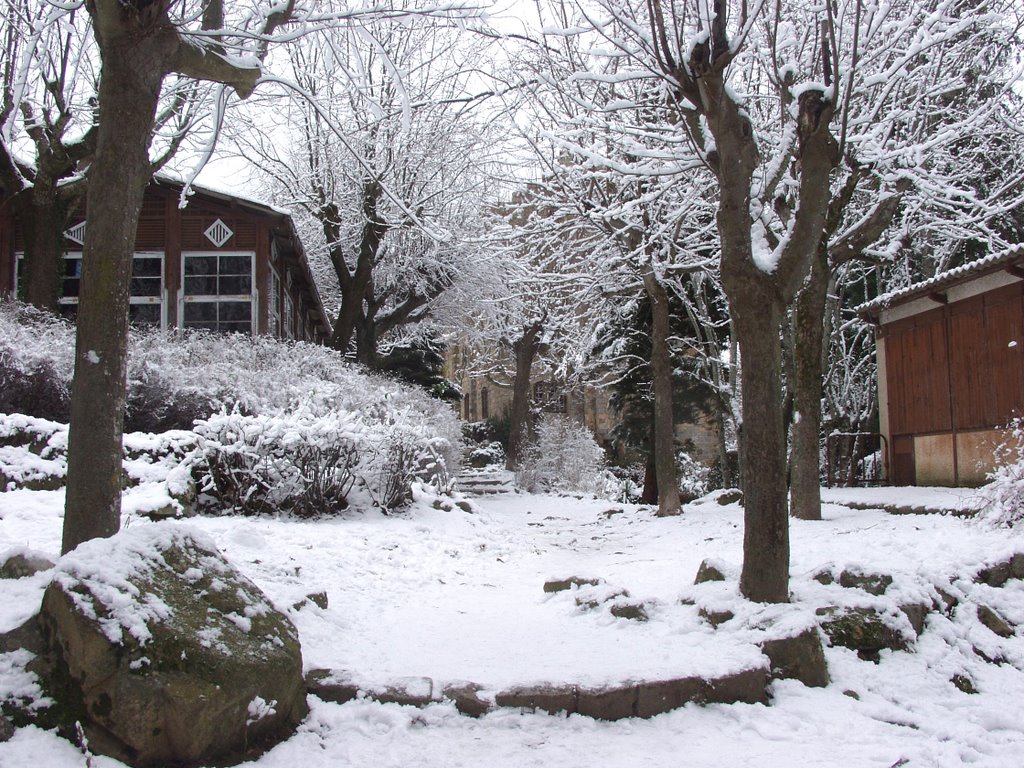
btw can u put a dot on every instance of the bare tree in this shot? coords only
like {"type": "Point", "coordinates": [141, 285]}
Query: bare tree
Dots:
{"type": "Point", "coordinates": [382, 159]}
{"type": "Point", "coordinates": [768, 100]}
{"type": "Point", "coordinates": [48, 129]}
{"type": "Point", "coordinates": [142, 43]}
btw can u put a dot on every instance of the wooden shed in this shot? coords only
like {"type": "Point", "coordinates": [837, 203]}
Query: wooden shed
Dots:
{"type": "Point", "coordinates": [222, 263]}
{"type": "Point", "coordinates": [951, 370]}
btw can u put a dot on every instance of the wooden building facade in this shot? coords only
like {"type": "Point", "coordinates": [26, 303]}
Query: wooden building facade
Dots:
{"type": "Point", "coordinates": [951, 370]}
{"type": "Point", "coordinates": [222, 263]}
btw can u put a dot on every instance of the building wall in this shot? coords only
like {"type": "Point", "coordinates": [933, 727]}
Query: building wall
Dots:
{"type": "Point", "coordinates": [208, 227]}
{"type": "Point", "coordinates": [588, 406]}
{"type": "Point", "coordinates": [952, 379]}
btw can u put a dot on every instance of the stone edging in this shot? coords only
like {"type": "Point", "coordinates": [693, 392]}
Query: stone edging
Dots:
{"type": "Point", "coordinates": [800, 657]}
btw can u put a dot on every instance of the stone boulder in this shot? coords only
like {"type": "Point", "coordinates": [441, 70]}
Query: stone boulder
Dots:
{"type": "Point", "coordinates": [176, 658]}
{"type": "Point", "coordinates": [872, 583]}
{"type": "Point", "coordinates": [18, 565]}
{"type": "Point", "coordinates": [709, 570]}
{"type": "Point", "coordinates": [798, 657]}
{"type": "Point", "coordinates": [862, 630]}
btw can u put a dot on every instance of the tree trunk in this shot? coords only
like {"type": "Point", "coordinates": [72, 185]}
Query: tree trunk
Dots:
{"type": "Point", "coordinates": [132, 72]}
{"type": "Point", "coordinates": [366, 342]}
{"type": "Point", "coordinates": [649, 494]}
{"type": "Point", "coordinates": [728, 481]}
{"type": "Point", "coordinates": [661, 376]}
{"type": "Point", "coordinates": [45, 220]}
{"type": "Point", "coordinates": [808, 331]}
{"type": "Point", "coordinates": [356, 284]}
{"type": "Point", "coordinates": [348, 316]}
{"type": "Point", "coordinates": [525, 350]}
{"type": "Point", "coordinates": [765, 576]}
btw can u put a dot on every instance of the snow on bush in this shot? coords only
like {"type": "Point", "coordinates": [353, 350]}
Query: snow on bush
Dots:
{"type": "Point", "coordinates": [277, 426]}
{"type": "Point", "coordinates": [1004, 495]}
{"type": "Point", "coordinates": [36, 361]}
{"type": "Point", "coordinates": [694, 477]}
{"type": "Point", "coordinates": [320, 455]}
{"type": "Point", "coordinates": [562, 457]}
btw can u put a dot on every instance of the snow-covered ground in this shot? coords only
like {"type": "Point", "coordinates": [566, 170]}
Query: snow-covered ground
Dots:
{"type": "Point", "coordinates": [458, 596]}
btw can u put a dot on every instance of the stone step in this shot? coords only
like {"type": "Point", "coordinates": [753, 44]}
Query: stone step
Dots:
{"type": "Point", "coordinates": [487, 482]}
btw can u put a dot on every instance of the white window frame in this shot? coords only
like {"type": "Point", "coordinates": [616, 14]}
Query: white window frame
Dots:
{"type": "Point", "coordinates": [251, 297]}
{"type": "Point", "coordinates": [70, 301]}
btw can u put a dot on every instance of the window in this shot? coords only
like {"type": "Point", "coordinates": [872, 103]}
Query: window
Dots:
{"type": "Point", "coordinates": [217, 291]}
{"type": "Point", "coordinates": [146, 289]}
{"type": "Point", "coordinates": [289, 317]}
{"type": "Point", "coordinates": [485, 404]}
{"type": "Point", "coordinates": [547, 396]}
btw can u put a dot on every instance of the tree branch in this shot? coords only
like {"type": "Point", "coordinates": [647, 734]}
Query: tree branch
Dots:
{"type": "Point", "coordinates": [196, 60]}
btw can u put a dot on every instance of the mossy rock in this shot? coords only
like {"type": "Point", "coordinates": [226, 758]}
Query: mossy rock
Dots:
{"type": "Point", "coordinates": [862, 630]}
{"type": "Point", "coordinates": [994, 621]}
{"type": "Point", "coordinates": [562, 585]}
{"type": "Point", "coordinates": [177, 658]}
{"type": "Point", "coordinates": [22, 564]}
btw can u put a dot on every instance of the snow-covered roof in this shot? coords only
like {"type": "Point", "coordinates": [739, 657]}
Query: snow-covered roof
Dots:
{"type": "Point", "coordinates": [259, 206]}
{"type": "Point", "coordinates": [1011, 257]}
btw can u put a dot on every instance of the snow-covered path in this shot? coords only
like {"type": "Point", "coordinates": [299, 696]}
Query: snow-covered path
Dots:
{"type": "Point", "coordinates": [453, 596]}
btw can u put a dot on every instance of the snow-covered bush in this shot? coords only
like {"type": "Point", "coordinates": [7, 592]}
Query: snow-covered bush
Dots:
{"type": "Point", "coordinates": [315, 459]}
{"type": "Point", "coordinates": [301, 462]}
{"type": "Point", "coordinates": [563, 457]}
{"type": "Point", "coordinates": [694, 477]}
{"type": "Point", "coordinates": [1004, 495]}
{"type": "Point", "coordinates": [486, 455]}
{"type": "Point", "coordinates": [624, 485]}
{"type": "Point", "coordinates": [36, 362]}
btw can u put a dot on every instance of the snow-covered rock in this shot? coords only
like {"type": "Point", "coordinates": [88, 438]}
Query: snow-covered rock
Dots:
{"type": "Point", "coordinates": [177, 657]}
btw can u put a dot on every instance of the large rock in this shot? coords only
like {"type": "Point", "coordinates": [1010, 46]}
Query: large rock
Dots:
{"type": "Point", "coordinates": [177, 658]}
{"type": "Point", "coordinates": [862, 630]}
{"type": "Point", "coordinates": [799, 657]}
{"type": "Point", "coordinates": [22, 563]}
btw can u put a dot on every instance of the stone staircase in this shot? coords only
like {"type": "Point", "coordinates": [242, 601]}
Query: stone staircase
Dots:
{"type": "Point", "coordinates": [485, 482]}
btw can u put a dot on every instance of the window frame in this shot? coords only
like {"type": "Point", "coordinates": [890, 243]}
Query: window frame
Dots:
{"type": "Point", "coordinates": [184, 298]}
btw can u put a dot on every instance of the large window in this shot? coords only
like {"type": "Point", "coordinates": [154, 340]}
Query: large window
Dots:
{"type": "Point", "coordinates": [147, 288]}
{"type": "Point", "coordinates": [217, 291]}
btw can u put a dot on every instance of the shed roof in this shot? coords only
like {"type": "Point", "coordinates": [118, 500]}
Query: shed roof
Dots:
{"type": "Point", "coordinates": [1011, 260]}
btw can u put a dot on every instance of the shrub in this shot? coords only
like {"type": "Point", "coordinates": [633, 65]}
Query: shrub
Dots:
{"type": "Point", "coordinates": [694, 477]}
{"type": "Point", "coordinates": [563, 457]}
{"type": "Point", "coordinates": [303, 462]}
{"type": "Point", "coordinates": [36, 362]}
{"type": "Point", "coordinates": [314, 459]}
{"type": "Point", "coordinates": [1004, 495]}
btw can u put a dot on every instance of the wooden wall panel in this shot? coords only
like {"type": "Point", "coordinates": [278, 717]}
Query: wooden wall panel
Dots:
{"type": "Point", "coordinates": [152, 231]}
{"type": "Point", "coordinates": [1004, 337]}
{"type": "Point", "coordinates": [918, 375]}
{"type": "Point", "coordinates": [968, 350]}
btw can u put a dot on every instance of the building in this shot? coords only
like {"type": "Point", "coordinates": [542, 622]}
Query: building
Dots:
{"type": "Point", "coordinates": [490, 396]}
{"type": "Point", "coordinates": [951, 370]}
{"type": "Point", "coordinates": [222, 263]}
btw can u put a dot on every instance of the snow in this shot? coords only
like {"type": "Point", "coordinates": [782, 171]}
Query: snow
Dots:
{"type": "Point", "coordinates": [459, 596]}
